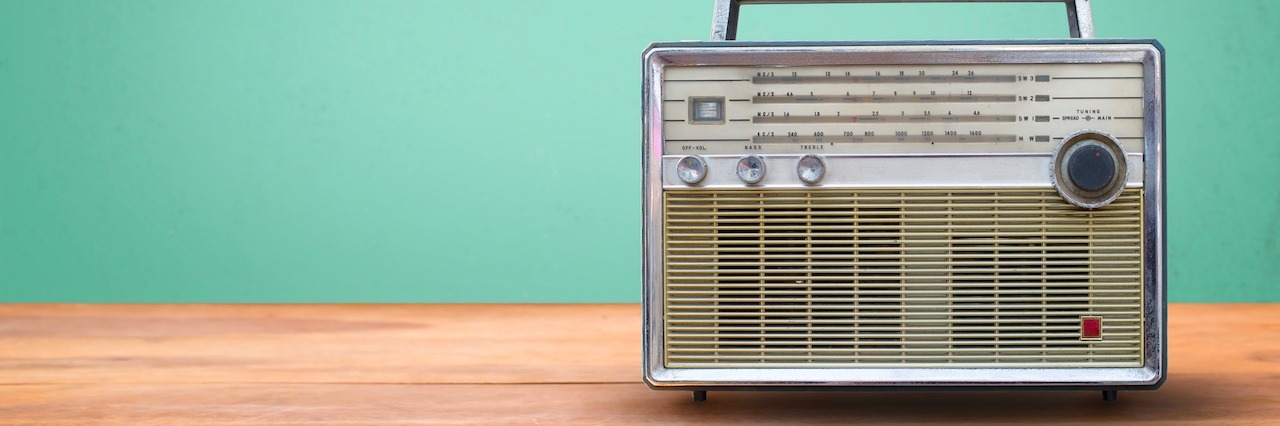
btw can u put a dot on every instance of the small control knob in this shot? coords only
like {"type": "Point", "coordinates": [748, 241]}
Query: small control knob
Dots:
{"type": "Point", "coordinates": [1089, 169]}
{"type": "Point", "coordinates": [810, 169]}
{"type": "Point", "coordinates": [691, 169]}
{"type": "Point", "coordinates": [751, 169]}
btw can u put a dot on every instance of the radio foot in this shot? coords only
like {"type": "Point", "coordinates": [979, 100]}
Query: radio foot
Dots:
{"type": "Point", "coordinates": [1108, 395]}
{"type": "Point", "coordinates": [699, 396]}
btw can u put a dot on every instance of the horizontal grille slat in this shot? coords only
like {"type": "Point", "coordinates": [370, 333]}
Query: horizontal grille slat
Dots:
{"type": "Point", "coordinates": [775, 263]}
{"type": "Point", "coordinates": [961, 270]}
{"type": "Point", "coordinates": [1059, 345]}
{"type": "Point", "coordinates": [1048, 281]}
{"type": "Point", "coordinates": [1004, 300]}
{"type": "Point", "coordinates": [885, 277]}
{"type": "Point", "coordinates": [895, 357]}
{"type": "Point", "coordinates": [913, 234]}
{"type": "Point", "coordinates": [883, 292]}
{"type": "Point", "coordinates": [846, 336]}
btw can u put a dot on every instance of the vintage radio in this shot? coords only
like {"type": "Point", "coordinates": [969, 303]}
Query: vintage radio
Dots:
{"type": "Point", "coordinates": [898, 215]}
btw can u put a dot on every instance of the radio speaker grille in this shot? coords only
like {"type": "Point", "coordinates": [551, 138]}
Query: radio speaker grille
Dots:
{"type": "Point", "coordinates": [953, 278]}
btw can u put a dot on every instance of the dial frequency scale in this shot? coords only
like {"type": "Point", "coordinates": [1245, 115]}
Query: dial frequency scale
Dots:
{"type": "Point", "coordinates": [872, 215]}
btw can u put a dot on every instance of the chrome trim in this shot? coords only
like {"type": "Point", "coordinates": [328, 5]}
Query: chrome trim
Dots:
{"type": "Point", "coordinates": [902, 377]}
{"type": "Point", "coordinates": [893, 171]}
{"type": "Point", "coordinates": [1148, 53]}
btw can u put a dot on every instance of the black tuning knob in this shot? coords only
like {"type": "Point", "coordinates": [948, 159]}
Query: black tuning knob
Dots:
{"type": "Point", "coordinates": [1091, 167]}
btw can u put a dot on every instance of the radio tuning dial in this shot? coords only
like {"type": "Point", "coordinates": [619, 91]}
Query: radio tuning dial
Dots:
{"type": "Point", "coordinates": [1089, 169]}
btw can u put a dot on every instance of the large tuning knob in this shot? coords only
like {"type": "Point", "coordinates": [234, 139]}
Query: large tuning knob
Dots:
{"type": "Point", "coordinates": [1089, 169]}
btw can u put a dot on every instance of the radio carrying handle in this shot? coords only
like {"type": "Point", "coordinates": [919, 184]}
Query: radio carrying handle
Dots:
{"type": "Point", "coordinates": [724, 24]}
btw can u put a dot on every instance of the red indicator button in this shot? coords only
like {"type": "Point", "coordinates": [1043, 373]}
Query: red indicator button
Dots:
{"type": "Point", "coordinates": [1091, 328]}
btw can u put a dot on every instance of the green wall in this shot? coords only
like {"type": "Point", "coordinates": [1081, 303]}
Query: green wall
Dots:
{"type": "Point", "coordinates": [482, 151]}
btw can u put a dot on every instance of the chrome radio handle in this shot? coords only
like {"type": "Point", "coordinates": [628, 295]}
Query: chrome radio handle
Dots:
{"type": "Point", "coordinates": [724, 24]}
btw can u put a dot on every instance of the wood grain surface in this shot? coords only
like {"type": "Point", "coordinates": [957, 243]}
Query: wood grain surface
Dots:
{"type": "Point", "coordinates": [486, 364]}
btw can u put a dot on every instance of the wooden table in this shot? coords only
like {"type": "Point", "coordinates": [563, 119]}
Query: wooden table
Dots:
{"type": "Point", "coordinates": [439, 364]}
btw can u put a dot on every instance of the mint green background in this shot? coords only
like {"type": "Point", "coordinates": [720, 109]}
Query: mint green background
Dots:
{"type": "Point", "coordinates": [482, 151]}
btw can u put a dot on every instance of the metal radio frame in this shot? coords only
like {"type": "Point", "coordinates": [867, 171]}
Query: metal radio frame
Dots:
{"type": "Point", "coordinates": [1149, 53]}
